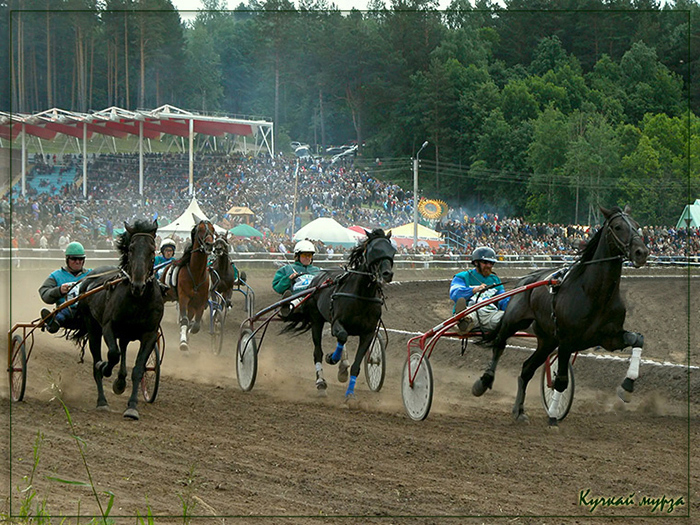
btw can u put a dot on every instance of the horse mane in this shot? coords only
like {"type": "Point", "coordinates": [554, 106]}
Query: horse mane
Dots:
{"type": "Point", "coordinates": [124, 239]}
{"type": "Point", "coordinates": [587, 253]}
{"type": "Point", "coordinates": [187, 254]}
{"type": "Point", "coordinates": [357, 255]}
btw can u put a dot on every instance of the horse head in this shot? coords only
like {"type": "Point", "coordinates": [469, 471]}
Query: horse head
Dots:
{"type": "Point", "coordinates": [379, 254]}
{"type": "Point", "coordinates": [203, 235]}
{"type": "Point", "coordinates": [221, 246]}
{"type": "Point", "coordinates": [138, 248]}
{"type": "Point", "coordinates": [624, 233]}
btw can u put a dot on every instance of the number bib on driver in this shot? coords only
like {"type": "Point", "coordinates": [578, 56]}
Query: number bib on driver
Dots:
{"type": "Point", "coordinates": [302, 282]}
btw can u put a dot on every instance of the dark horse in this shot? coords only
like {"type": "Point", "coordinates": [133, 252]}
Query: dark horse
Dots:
{"type": "Point", "coordinates": [584, 311]}
{"type": "Point", "coordinates": [223, 275]}
{"type": "Point", "coordinates": [192, 278]}
{"type": "Point", "coordinates": [352, 305]}
{"type": "Point", "coordinates": [125, 310]}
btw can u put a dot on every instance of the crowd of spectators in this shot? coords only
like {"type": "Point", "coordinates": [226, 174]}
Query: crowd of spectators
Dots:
{"type": "Point", "coordinates": [269, 187]}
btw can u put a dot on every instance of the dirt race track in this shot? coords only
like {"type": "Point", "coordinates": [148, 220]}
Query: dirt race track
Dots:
{"type": "Point", "coordinates": [280, 454]}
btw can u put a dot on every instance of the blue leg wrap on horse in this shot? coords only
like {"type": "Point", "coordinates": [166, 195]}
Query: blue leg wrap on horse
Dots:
{"type": "Point", "coordinates": [338, 352]}
{"type": "Point", "coordinates": [351, 386]}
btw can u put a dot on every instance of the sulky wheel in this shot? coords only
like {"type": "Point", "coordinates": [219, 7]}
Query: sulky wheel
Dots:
{"type": "Point", "coordinates": [375, 363]}
{"type": "Point", "coordinates": [18, 370]}
{"type": "Point", "coordinates": [217, 336]}
{"type": "Point", "coordinates": [547, 390]}
{"type": "Point", "coordinates": [417, 398]}
{"type": "Point", "coordinates": [246, 360]}
{"type": "Point", "coordinates": [151, 375]}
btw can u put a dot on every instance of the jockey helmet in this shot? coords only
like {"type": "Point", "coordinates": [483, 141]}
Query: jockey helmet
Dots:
{"type": "Point", "coordinates": [167, 243]}
{"type": "Point", "coordinates": [304, 247]}
{"type": "Point", "coordinates": [75, 249]}
{"type": "Point", "coordinates": [483, 253]}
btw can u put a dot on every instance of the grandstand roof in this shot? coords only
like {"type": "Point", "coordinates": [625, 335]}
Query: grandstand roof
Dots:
{"type": "Point", "coordinates": [118, 122]}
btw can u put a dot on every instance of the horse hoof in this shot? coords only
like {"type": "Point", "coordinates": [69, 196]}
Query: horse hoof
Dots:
{"type": "Point", "coordinates": [521, 417]}
{"type": "Point", "coordinates": [330, 360]}
{"type": "Point", "coordinates": [478, 388]}
{"type": "Point", "coordinates": [321, 385]}
{"type": "Point", "coordinates": [624, 394]}
{"type": "Point", "coordinates": [119, 385]}
{"type": "Point", "coordinates": [103, 408]}
{"type": "Point", "coordinates": [352, 402]}
{"type": "Point", "coordinates": [553, 423]}
{"type": "Point", "coordinates": [343, 371]}
{"type": "Point", "coordinates": [131, 413]}
{"type": "Point", "coordinates": [184, 346]}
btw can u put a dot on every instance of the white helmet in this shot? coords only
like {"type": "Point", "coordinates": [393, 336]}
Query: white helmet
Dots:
{"type": "Point", "coordinates": [166, 243]}
{"type": "Point", "coordinates": [304, 247]}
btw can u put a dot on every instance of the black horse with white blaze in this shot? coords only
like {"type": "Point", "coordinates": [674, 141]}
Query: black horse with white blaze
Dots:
{"type": "Point", "coordinates": [584, 311]}
{"type": "Point", "coordinates": [352, 305]}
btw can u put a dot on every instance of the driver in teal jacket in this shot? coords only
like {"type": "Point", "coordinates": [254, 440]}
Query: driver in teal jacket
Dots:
{"type": "Point", "coordinates": [61, 286]}
{"type": "Point", "coordinates": [476, 285]}
{"type": "Point", "coordinates": [297, 276]}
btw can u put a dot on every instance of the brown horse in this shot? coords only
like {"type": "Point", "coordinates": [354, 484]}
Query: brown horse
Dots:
{"type": "Point", "coordinates": [192, 278]}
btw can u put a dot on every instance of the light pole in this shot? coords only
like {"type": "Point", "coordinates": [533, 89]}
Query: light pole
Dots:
{"type": "Point", "coordinates": [415, 197]}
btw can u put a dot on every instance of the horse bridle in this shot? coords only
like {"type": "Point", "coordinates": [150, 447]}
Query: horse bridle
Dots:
{"type": "Point", "coordinates": [151, 271]}
{"type": "Point", "coordinates": [373, 276]}
{"type": "Point", "coordinates": [203, 239]}
{"type": "Point", "coordinates": [634, 234]}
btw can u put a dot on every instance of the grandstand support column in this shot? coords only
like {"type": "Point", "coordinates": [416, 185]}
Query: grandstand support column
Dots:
{"type": "Point", "coordinates": [191, 156]}
{"type": "Point", "coordinates": [84, 160]}
{"type": "Point", "coordinates": [141, 158]}
{"type": "Point", "coordinates": [24, 162]}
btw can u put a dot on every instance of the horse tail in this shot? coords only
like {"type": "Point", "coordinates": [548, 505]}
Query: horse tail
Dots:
{"type": "Point", "coordinates": [298, 323]}
{"type": "Point", "coordinates": [79, 335]}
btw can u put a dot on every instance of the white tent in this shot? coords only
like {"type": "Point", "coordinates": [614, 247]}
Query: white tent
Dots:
{"type": "Point", "coordinates": [327, 230]}
{"type": "Point", "coordinates": [182, 226]}
{"type": "Point", "coordinates": [691, 213]}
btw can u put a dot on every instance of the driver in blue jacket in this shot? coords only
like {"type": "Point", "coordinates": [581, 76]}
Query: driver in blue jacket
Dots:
{"type": "Point", "coordinates": [476, 285]}
{"type": "Point", "coordinates": [61, 286]}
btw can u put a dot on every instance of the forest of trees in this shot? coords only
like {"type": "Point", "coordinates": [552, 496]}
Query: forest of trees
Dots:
{"type": "Point", "coordinates": [542, 108]}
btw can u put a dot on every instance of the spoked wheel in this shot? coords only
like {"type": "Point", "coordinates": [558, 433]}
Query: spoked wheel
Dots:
{"type": "Point", "coordinates": [246, 360]}
{"type": "Point", "coordinates": [151, 375]}
{"type": "Point", "coordinates": [18, 370]}
{"type": "Point", "coordinates": [375, 363]}
{"type": "Point", "coordinates": [547, 390]}
{"type": "Point", "coordinates": [217, 335]}
{"type": "Point", "coordinates": [417, 398]}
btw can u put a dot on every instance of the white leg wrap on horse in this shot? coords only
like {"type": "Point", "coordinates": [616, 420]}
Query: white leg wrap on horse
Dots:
{"type": "Point", "coordinates": [554, 405]}
{"type": "Point", "coordinates": [633, 371]}
{"type": "Point", "coordinates": [319, 368]}
{"type": "Point", "coordinates": [183, 333]}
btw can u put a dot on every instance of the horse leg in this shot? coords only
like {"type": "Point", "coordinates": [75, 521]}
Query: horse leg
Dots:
{"type": "Point", "coordinates": [530, 365]}
{"type": "Point", "coordinates": [505, 329]}
{"type": "Point", "coordinates": [119, 384]}
{"type": "Point", "coordinates": [485, 382]}
{"type": "Point", "coordinates": [636, 341]}
{"type": "Point", "coordinates": [363, 345]}
{"type": "Point", "coordinates": [184, 322]}
{"type": "Point", "coordinates": [95, 342]}
{"type": "Point", "coordinates": [316, 334]}
{"type": "Point", "coordinates": [340, 354]}
{"type": "Point", "coordinates": [197, 316]}
{"type": "Point", "coordinates": [145, 349]}
{"type": "Point", "coordinates": [561, 382]}
{"type": "Point", "coordinates": [113, 352]}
